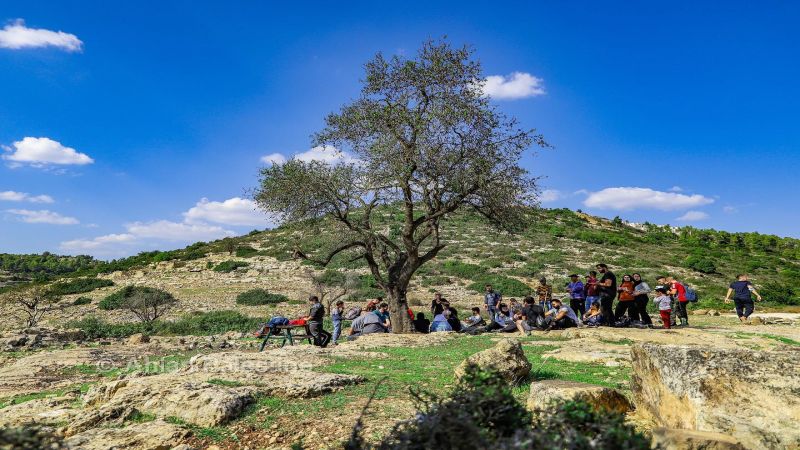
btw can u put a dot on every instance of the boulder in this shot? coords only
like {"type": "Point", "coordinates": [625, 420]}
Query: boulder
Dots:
{"type": "Point", "coordinates": [699, 312]}
{"type": "Point", "coordinates": [44, 411]}
{"type": "Point", "coordinates": [599, 397]}
{"type": "Point", "coordinates": [750, 395]}
{"type": "Point", "coordinates": [506, 358]}
{"type": "Point", "coordinates": [674, 439]}
{"type": "Point", "coordinates": [755, 320]}
{"type": "Point", "coordinates": [138, 339]}
{"type": "Point", "coordinates": [155, 435]}
{"type": "Point", "coordinates": [713, 312]}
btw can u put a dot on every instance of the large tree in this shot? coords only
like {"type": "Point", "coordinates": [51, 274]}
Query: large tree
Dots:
{"type": "Point", "coordinates": [424, 138]}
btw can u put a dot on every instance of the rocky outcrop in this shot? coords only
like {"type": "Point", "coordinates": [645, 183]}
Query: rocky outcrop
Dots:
{"type": "Point", "coordinates": [750, 395]}
{"type": "Point", "coordinates": [601, 398]}
{"type": "Point", "coordinates": [45, 411]}
{"type": "Point", "coordinates": [506, 358]}
{"type": "Point", "coordinates": [138, 339]}
{"type": "Point", "coordinates": [155, 435]}
{"type": "Point", "coordinates": [672, 439]}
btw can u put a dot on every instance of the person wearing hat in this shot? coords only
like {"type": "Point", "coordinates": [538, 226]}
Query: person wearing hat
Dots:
{"type": "Point", "coordinates": [576, 296]}
{"type": "Point", "coordinates": [664, 304]}
{"type": "Point", "coordinates": [545, 293]}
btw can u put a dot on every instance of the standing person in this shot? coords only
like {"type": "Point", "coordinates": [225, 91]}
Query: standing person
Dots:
{"type": "Point", "coordinates": [337, 314]}
{"type": "Point", "coordinates": [626, 303]}
{"type": "Point", "coordinates": [545, 293]}
{"type": "Point", "coordinates": [742, 289]}
{"type": "Point", "coordinates": [664, 304]}
{"type": "Point", "coordinates": [607, 286]}
{"type": "Point", "coordinates": [678, 292]}
{"type": "Point", "coordinates": [591, 290]}
{"type": "Point", "coordinates": [437, 304]}
{"type": "Point", "coordinates": [560, 316]}
{"type": "Point", "coordinates": [640, 291]}
{"type": "Point", "coordinates": [576, 290]}
{"type": "Point", "coordinates": [316, 314]}
{"type": "Point", "coordinates": [491, 300]}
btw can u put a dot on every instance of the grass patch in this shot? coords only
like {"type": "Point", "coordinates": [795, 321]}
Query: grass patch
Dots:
{"type": "Point", "coordinates": [230, 266]}
{"type": "Point", "coordinates": [193, 324]}
{"type": "Point", "coordinates": [624, 341]}
{"type": "Point", "coordinates": [260, 297]}
{"type": "Point", "coordinates": [79, 286]}
{"type": "Point", "coordinates": [17, 399]}
{"type": "Point", "coordinates": [141, 417]}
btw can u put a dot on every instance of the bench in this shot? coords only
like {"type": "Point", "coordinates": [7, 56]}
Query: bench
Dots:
{"type": "Point", "coordinates": [286, 334]}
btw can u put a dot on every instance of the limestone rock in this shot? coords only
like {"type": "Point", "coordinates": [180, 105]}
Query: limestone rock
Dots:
{"type": "Point", "coordinates": [45, 411]}
{"type": "Point", "coordinates": [755, 320]}
{"type": "Point", "coordinates": [599, 397]}
{"type": "Point", "coordinates": [155, 435]}
{"type": "Point", "coordinates": [713, 312]}
{"type": "Point", "coordinates": [751, 395]}
{"type": "Point", "coordinates": [673, 439]}
{"type": "Point", "coordinates": [506, 358]}
{"type": "Point", "coordinates": [138, 339]}
{"type": "Point", "coordinates": [699, 312]}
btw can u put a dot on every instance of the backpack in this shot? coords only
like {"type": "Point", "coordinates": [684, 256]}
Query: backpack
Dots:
{"type": "Point", "coordinates": [691, 294]}
{"type": "Point", "coordinates": [277, 321]}
{"type": "Point", "coordinates": [352, 313]}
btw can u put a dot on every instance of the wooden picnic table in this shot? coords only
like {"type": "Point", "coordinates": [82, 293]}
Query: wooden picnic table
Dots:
{"type": "Point", "coordinates": [286, 334]}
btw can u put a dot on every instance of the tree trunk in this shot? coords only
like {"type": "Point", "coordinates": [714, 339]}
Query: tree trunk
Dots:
{"type": "Point", "coordinates": [398, 310]}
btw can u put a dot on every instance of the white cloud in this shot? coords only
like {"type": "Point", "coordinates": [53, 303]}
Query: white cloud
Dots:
{"type": "Point", "coordinates": [550, 195]}
{"type": "Point", "coordinates": [730, 209]}
{"type": "Point", "coordinates": [517, 85]}
{"type": "Point", "coordinates": [233, 211]}
{"type": "Point", "coordinates": [17, 36]}
{"type": "Point", "coordinates": [630, 198]}
{"type": "Point", "coordinates": [273, 158]}
{"type": "Point", "coordinates": [177, 231]}
{"type": "Point", "coordinates": [693, 216]}
{"type": "Point", "coordinates": [12, 196]}
{"type": "Point", "coordinates": [83, 245]}
{"type": "Point", "coordinates": [676, 189]}
{"type": "Point", "coordinates": [42, 216]}
{"type": "Point", "coordinates": [42, 151]}
{"type": "Point", "coordinates": [327, 154]}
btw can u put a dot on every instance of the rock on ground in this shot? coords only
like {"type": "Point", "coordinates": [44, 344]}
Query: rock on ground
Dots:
{"type": "Point", "coordinates": [45, 411]}
{"type": "Point", "coordinates": [599, 397]}
{"type": "Point", "coordinates": [155, 435]}
{"type": "Point", "coordinates": [507, 358]}
{"type": "Point", "coordinates": [673, 439]}
{"type": "Point", "coordinates": [751, 395]}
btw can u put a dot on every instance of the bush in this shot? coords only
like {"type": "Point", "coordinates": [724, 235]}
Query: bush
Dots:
{"type": "Point", "coordinates": [258, 297]}
{"type": "Point", "coordinates": [701, 264]}
{"type": "Point", "coordinates": [508, 287]}
{"type": "Point", "coordinates": [82, 301]}
{"type": "Point", "coordinates": [117, 299]}
{"type": "Point", "coordinates": [30, 437]}
{"type": "Point", "coordinates": [98, 329]}
{"type": "Point", "coordinates": [198, 324]}
{"type": "Point", "coordinates": [149, 305]}
{"type": "Point", "coordinates": [462, 270]}
{"type": "Point", "coordinates": [482, 412]}
{"type": "Point", "coordinates": [230, 266]}
{"type": "Point", "coordinates": [79, 286]}
{"type": "Point", "coordinates": [245, 252]}
{"type": "Point", "coordinates": [779, 293]}
{"type": "Point", "coordinates": [368, 288]}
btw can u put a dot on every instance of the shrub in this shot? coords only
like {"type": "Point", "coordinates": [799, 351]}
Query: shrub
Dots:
{"type": "Point", "coordinates": [783, 294]}
{"type": "Point", "coordinates": [509, 287]}
{"type": "Point", "coordinates": [258, 297]}
{"type": "Point", "coordinates": [79, 286]}
{"type": "Point", "coordinates": [700, 263]}
{"type": "Point", "coordinates": [82, 301]}
{"type": "Point", "coordinates": [230, 266]}
{"type": "Point", "coordinates": [98, 329]}
{"type": "Point", "coordinates": [462, 270]}
{"type": "Point", "coordinates": [197, 324]}
{"type": "Point", "coordinates": [117, 299]}
{"type": "Point", "coordinates": [368, 288]}
{"type": "Point", "coordinates": [149, 304]}
{"type": "Point", "coordinates": [245, 252]}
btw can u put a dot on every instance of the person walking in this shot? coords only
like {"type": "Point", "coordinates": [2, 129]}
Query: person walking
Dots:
{"type": "Point", "coordinates": [607, 291]}
{"type": "Point", "coordinates": [491, 300]}
{"type": "Point", "coordinates": [591, 290]}
{"type": "Point", "coordinates": [577, 300]}
{"type": "Point", "coordinates": [743, 291]}
{"type": "Point", "coordinates": [640, 291]}
{"type": "Point", "coordinates": [545, 293]}
{"type": "Point", "coordinates": [626, 303]}
{"type": "Point", "coordinates": [316, 314]}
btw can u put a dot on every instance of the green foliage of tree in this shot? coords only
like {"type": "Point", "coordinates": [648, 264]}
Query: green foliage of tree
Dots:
{"type": "Point", "coordinates": [259, 297]}
{"type": "Point", "coordinates": [509, 287]}
{"type": "Point", "coordinates": [779, 293]}
{"type": "Point", "coordinates": [44, 265]}
{"type": "Point", "coordinates": [700, 263]}
{"type": "Point", "coordinates": [79, 286]}
{"type": "Point", "coordinates": [425, 137]}
{"type": "Point", "coordinates": [193, 324]}
{"type": "Point", "coordinates": [245, 251]}
{"type": "Point", "coordinates": [82, 301]}
{"type": "Point", "coordinates": [230, 266]}
{"type": "Point", "coordinates": [118, 299]}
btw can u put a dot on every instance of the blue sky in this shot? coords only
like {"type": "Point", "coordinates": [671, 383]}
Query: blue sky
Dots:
{"type": "Point", "coordinates": [115, 130]}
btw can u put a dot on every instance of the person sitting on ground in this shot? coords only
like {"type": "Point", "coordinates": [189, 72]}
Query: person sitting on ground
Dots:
{"type": "Point", "coordinates": [474, 321]}
{"type": "Point", "coordinates": [366, 324]}
{"type": "Point", "coordinates": [531, 317]}
{"type": "Point", "coordinates": [626, 303]}
{"type": "Point", "coordinates": [452, 318]}
{"type": "Point", "coordinates": [545, 293]}
{"type": "Point", "coordinates": [372, 305]}
{"type": "Point", "coordinates": [421, 324]}
{"type": "Point", "coordinates": [383, 313]}
{"type": "Point", "coordinates": [514, 306]}
{"type": "Point", "coordinates": [503, 320]}
{"type": "Point", "coordinates": [560, 316]}
{"type": "Point", "coordinates": [436, 303]}
{"type": "Point", "coordinates": [664, 304]}
{"type": "Point", "coordinates": [441, 322]}
{"type": "Point", "coordinates": [575, 288]}
{"type": "Point", "coordinates": [316, 315]}
{"type": "Point", "coordinates": [742, 289]}
{"type": "Point", "coordinates": [593, 317]}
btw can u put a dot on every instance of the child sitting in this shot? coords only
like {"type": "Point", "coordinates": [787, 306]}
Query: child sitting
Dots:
{"type": "Point", "coordinates": [593, 317]}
